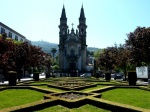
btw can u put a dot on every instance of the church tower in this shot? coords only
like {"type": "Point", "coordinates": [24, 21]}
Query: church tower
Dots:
{"type": "Point", "coordinates": [82, 34]}
{"type": "Point", "coordinates": [72, 45]}
{"type": "Point", "coordinates": [62, 36]}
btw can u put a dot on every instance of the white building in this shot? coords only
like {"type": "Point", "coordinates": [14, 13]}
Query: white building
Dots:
{"type": "Point", "coordinates": [12, 33]}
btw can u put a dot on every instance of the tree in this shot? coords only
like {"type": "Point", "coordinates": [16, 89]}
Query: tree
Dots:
{"type": "Point", "coordinates": [15, 55]}
{"type": "Point", "coordinates": [138, 42]}
{"type": "Point", "coordinates": [107, 59]}
{"type": "Point", "coordinates": [48, 63]}
{"type": "Point", "coordinates": [21, 58]}
{"type": "Point", "coordinates": [6, 54]}
{"type": "Point", "coordinates": [35, 57]}
{"type": "Point", "coordinates": [53, 51]}
{"type": "Point", "coordinates": [122, 58]}
{"type": "Point", "coordinates": [97, 53]}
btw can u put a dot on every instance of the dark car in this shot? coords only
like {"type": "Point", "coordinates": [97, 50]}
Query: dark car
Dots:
{"type": "Point", "coordinates": [2, 79]}
{"type": "Point", "coordinates": [118, 76]}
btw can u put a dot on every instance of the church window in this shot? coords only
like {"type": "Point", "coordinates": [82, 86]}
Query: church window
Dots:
{"type": "Point", "coordinates": [63, 31]}
{"type": "Point", "coordinates": [82, 31]}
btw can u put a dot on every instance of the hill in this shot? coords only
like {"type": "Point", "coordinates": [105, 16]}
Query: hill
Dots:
{"type": "Point", "coordinates": [46, 46]}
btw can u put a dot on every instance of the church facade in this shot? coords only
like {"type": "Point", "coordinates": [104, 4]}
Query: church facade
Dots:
{"type": "Point", "coordinates": [72, 44]}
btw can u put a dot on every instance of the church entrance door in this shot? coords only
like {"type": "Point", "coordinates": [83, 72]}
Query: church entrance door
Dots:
{"type": "Point", "coordinates": [73, 70]}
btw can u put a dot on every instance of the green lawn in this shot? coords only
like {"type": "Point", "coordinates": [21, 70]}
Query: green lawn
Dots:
{"type": "Point", "coordinates": [105, 82]}
{"type": "Point", "coordinates": [15, 97]}
{"type": "Point", "coordinates": [93, 88]}
{"type": "Point", "coordinates": [135, 97]}
{"type": "Point", "coordinates": [85, 108]}
{"type": "Point", "coordinates": [50, 88]}
{"type": "Point", "coordinates": [39, 82]}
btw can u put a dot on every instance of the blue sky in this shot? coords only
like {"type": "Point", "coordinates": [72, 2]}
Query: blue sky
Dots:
{"type": "Point", "coordinates": [108, 21]}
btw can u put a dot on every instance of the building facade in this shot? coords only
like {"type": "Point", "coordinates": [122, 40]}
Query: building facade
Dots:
{"type": "Point", "coordinates": [72, 44]}
{"type": "Point", "coordinates": [12, 33]}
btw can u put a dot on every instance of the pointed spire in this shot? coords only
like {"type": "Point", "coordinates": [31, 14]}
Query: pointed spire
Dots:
{"type": "Point", "coordinates": [82, 16]}
{"type": "Point", "coordinates": [63, 14]}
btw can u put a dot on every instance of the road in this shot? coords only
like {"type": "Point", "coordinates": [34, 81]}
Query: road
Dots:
{"type": "Point", "coordinates": [24, 79]}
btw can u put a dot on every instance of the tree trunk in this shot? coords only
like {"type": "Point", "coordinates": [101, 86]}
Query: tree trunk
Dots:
{"type": "Point", "coordinates": [19, 74]}
{"type": "Point", "coordinates": [125, 72]}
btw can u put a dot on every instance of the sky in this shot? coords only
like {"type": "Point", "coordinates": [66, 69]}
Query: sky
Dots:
{"type": "Point", "coordinates": [108, 21]}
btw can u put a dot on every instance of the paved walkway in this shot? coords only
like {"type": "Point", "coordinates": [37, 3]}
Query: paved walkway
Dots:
{"type": "Point", "coordinates": [43, 76]}
{"type": "Point", "coordinates": [24, 79]}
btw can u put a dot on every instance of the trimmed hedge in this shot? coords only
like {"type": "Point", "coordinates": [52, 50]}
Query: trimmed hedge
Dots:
{"type": "Point", "coordinates": [112, 106]}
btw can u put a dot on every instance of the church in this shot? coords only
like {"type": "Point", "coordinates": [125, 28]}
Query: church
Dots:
{"type": "Point", "coordinates": [72, 44]}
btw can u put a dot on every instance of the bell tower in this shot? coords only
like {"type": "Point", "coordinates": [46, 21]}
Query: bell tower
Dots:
{"type": "Point", "coordinates": [63, 26]}
{"type": "Point", "coordinates": [82, 34]}
{"type": "Point", "coordinates": [82, 27]}
{"type": "Point", "coordinates": [62, 36]}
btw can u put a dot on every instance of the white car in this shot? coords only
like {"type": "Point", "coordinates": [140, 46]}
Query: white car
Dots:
{"type": "Point", "coordinates": [31, 75]}
{"type": "Point", "coordinates": [82, 75]}
{"type": "Point", "coordinates": [43, 74]}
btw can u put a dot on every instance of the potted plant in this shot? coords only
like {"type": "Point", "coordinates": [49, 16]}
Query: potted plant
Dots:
{"type": "Point", "coordinates": [36, 76]}
{"type": "Point", "coordinates": [107, 76]}
{"type": "Point", "coordinates": [12, 78]}
{"type": "Point", "coordinates": [132, 77]}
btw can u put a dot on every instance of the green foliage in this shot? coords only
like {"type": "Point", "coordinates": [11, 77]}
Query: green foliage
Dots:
{"type": "Point", "coordinates": [9, 39]}
{"type": "Point", "coordinates": [117, 69]}
{"type": "Point", "coordinates": [98, 52]}
{"type": "Point", "coordinates": [55, 67]}
{"type": "Point", "coordinates": [17, 42]}
{"type": "Point", "coordinates": [131, 67]}
{"type": "Point", "coordinates": [139, 40]}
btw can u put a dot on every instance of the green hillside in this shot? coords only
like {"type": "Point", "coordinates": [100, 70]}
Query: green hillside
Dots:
{"type": "Point", "coordinates": [46, 46]}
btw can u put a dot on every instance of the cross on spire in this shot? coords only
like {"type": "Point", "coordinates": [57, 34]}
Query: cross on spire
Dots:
{"type": "Point", "coordinates": [72, 25]}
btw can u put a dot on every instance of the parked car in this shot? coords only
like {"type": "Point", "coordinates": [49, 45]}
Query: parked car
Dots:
{"type": "Point", "coordinates": [42, 74]}
{"type": "Point", "coordinates": [2, 79]}
{"type": "Point", "coordinates": [118, 76]}
{"type": "Point", "coordinates": [82, 75]}
{"type": "Point", "coordinates": [31, 76]}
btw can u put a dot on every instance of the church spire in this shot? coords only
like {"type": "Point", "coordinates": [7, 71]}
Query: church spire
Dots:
{"type": "Point", "coordinates": [82, 16]}
{"type": "Point", "coordinates": [63, 14]}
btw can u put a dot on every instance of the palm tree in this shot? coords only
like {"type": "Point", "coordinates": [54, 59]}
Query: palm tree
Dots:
{"type": "Point", "coordinates": [53, 51]}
